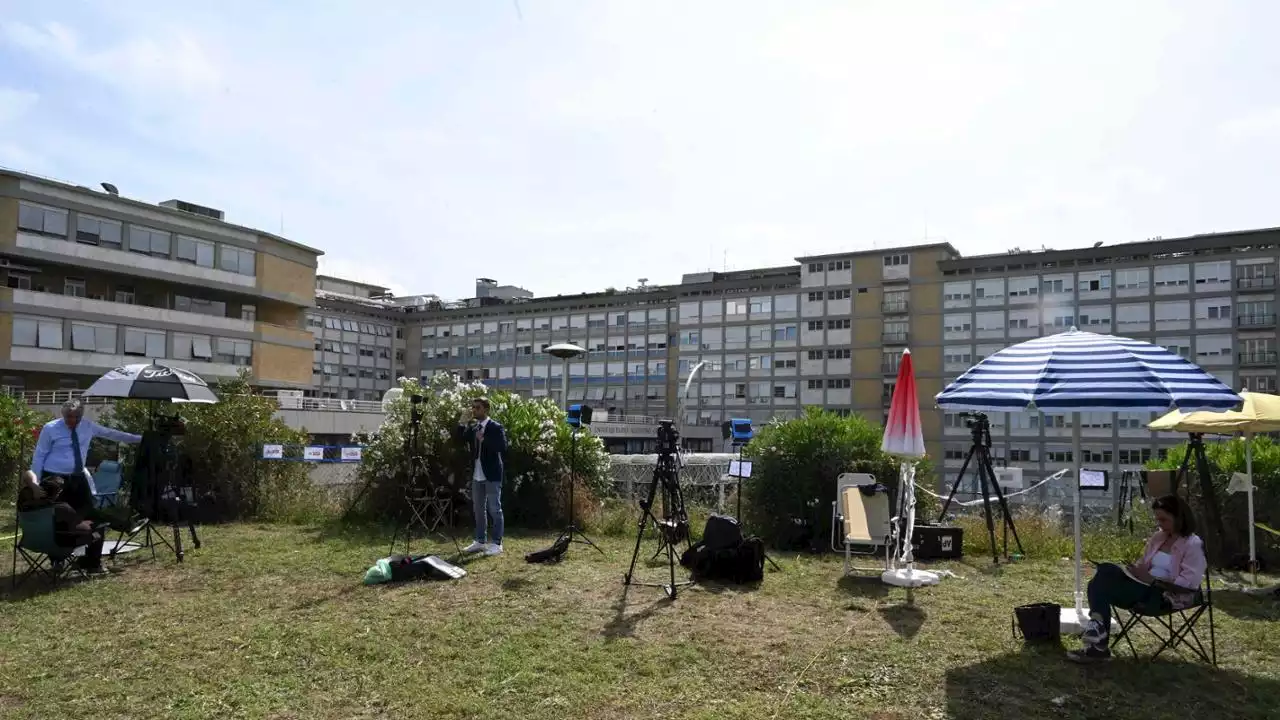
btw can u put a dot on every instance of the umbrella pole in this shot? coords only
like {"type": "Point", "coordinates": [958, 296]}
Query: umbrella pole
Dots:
{"type": "Point", "coordinates": [1248, 468]}
{"type": "Point", "coordinates": [1075, 484]}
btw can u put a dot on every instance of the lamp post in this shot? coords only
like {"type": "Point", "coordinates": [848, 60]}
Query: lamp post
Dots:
{"type": "Point", "coordinates": [693, 375]}
{"type": "Point", "coordinates": [565, 351]}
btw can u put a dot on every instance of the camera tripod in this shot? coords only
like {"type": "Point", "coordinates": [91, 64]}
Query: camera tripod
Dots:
{"type": "Point", "coordinates": [980, 431]}
{"type": "Point", "coordinates": [673, 528]}
{"type": "Point", "coordinates": [428, 507]}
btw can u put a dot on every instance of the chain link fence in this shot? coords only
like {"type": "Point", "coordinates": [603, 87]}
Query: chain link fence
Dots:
{"type": "Point", "coordinates": [704, 477]}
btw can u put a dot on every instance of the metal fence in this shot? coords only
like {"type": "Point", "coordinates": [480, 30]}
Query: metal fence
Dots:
{"type": "Point", "coordinates": [704, 477]}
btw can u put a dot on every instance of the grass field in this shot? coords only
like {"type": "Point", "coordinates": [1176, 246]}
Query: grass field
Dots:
{"type": "Point", "coordinates": [272, 622]}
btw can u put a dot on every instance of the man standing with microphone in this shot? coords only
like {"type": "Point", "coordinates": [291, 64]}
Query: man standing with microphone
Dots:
{"type": "Point", "coordinates": [487, 442]}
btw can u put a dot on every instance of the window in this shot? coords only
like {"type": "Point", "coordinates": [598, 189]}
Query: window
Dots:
{"type": "Point", "coordinates": [689, 312]}
{"type": "Point", "coordinates": [97, 231]}
{"type": "Point", "coordinates": [957, 293]}
{"type": "Point", "coordinates": [200, 306]}
{"type": "Point", "coordinates": [784, 361]}
{"type": "Point", "coordinates": [74, 287]}
{"type": "Point", "coordinates": [784, 304]}
{"type": "Point", "coordinates": [839, 265]}
{"type": "Point", "coordinates": [124, 294]}
{"type": "Point", "coordinates": [712, 310]}
{"type": "Point", "coordinates": [1058, 456]}
{"type": "Point", "coordinates": [784, 332]}
{"type": "Point", "coordinates": [952, 356]}
{"type": "Point", "coordinates": [1211, 276]}
{"type": "Point", "coordinates": [19, 281]}
{"type": "Point", "coordinates": [1024, 287]}
{"type": "Point", "coordinates": [1095, 316]}
{"type": "Point", "coordinates": [839, 383]}
{"type": "Point", "coordinates": [145, 343]}
{"type": "Point", "coordinates": [842, 294]}
{"type": "Point", "coordinates": [841, 324]}
{"type": "Point", "coordinates": [234, 352]}
{"type": "Point", "coordinates": [735, 307]}
{"type": "Point", "coordinates": [956, 323]}
{"type": "Point", "coordinates": [896, 260]}
{"type": "Point", "coordinates": [815, 355]}
{"type": "Point", "coordinates": [192, 347]}
{"type": "Point", "coordinates": [1259, 383]}
{"type": "Point", "coordinates": [37, 332]}
{"type": "Point", "coordinates": [194, 250]}
{"type": "Point", "coordinates": [761, 305]}
{"type": "Point", "coordinates": [989, 321]}
{"type": "Point", "coordinates": [1096, 281]}
{"type": "Point", "coordinates": [1134, 456]}
{"type": "Point", "coordinates": [815, 296]}
{"type": "Point", "coordinates": [1177, 346]}
{"type": "Point", "coordinates": [91, 337]}
{"type": "Point", "coordinates": [1135, 279]}
{"type": "Point", "coordinates": [1019, 455]}
{"type": "Point", "coordinates": [1173, 311]}
{"type": "Point", "coordinates": [815, 384]}
{"type": "Point", "coordinates": [238, 260]}
{"type": "Point", "coordinates": [1209, 347]}
{"type": "Point", "coordinates": [1056, 284]}
{"type": "Point", "coordinates": [148, 242]}
{"type": "Point", "coordinates": [41, 219]}
{"type": "Point", "coordinates": [249, 313]}
{"type": "Point", "coordinates": [989, 292]}
{"type": "Point", "coordinates": [1134, 315]}
{"type": "Point", "coordinates": [815, 324]}
{"type": "Point", "coordinates": [1172, 276]}
{"type": "Point", "coordinates": [1213, 309]}
{"type": "Point", "coordinates": [838, 354]}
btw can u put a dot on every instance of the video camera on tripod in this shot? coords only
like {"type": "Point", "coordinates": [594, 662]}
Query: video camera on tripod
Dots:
{"type": "Point", "coordinates": [673, 527]}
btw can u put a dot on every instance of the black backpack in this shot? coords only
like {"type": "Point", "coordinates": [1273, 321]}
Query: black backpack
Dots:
{"type": "Point", "coordinates": [749, 561]}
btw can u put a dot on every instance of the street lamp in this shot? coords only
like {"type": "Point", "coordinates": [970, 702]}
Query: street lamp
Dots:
{"type": "Point", "coordinates": [565, 351]}
{"type": "Point", "coordinates": [693, 375]}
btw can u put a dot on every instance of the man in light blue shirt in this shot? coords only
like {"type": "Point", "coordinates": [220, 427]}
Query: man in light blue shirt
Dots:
{"type": "Point", "coordinates": [63, 448]}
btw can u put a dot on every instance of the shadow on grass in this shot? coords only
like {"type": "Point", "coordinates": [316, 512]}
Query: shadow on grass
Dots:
{"type": "Point", "coordinates": [906, 620]}
{"type": "Point", "coordinates": [1041, 683]}
{"type": "Point", "coordinates": [864, 586]}
{"type": "Point", "coordinates": [623, 624]}
{"type": "Point", "coordinates": [1245, 606]}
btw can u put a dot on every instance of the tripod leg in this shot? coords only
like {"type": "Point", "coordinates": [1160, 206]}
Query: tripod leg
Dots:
{"type": "Point", "coordinates": [956, 485]}
{"type": "Point", "coordinates": [1004, 508]}
{"type": "Point", "coordinates": [646, 512]}
{"type": "Point", "coordinates": [986, 507]}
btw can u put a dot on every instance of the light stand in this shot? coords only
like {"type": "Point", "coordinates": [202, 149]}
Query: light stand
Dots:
{"type": "Point", "coordinates": [980, 431]}
{"type": "Point", "coordinates": [740, 432]}
{"type": "Point", "coordinates": [577, 416]}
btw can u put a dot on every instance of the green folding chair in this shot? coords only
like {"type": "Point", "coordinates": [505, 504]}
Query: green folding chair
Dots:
{"type": "Point", "coordinates": [40, 550]}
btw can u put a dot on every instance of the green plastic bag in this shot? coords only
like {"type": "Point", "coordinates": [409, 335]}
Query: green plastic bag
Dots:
{"type": "Point", "coordinates": [379, 573]}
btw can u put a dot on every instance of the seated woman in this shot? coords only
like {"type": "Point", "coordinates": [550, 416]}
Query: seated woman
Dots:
{"type": "Point", "coordinates": [1167, 577]}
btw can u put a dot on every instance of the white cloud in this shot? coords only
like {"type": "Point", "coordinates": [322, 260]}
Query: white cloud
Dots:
{"type": "Point", "coordinates": [1261, 124]}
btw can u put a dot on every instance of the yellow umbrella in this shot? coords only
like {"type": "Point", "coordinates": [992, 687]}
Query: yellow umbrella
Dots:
{"type": "Point", "coordinates": [1259, 413]}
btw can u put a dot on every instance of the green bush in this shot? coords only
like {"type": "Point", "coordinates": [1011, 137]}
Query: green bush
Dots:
{"type": "Point", "coordinates": [1227, 457]}
{"type": "Point", "coordinates": [1045, 536]}
{"type": "Point", "coordinates": [539, 446]}
{"type": "Point", "coordinates": [18, 427]}
{"type": "Point", "coordinates": [221, 448]}
{"type": "Point", "coordinates": [796, 463]}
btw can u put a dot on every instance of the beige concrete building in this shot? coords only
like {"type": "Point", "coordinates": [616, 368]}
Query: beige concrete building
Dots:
{"type": "Point", "coordinates": [94, 280]}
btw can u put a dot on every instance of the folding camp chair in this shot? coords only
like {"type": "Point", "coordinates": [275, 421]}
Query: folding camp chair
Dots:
{"type": "Point", "coordinates": [39, 548]}
{"type": "Point", "coordinates": [863, 520]}
{"type": "Point", "coordinates": [106, 483]}
{"type": "Point", "coordinates": [1174, 628]}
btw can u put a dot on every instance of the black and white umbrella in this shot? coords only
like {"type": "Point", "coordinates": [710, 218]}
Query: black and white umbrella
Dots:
{"type": "Point", "coordinates": [152, 382]}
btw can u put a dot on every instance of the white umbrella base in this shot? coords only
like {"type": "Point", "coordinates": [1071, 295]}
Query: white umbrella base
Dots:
{"type": "Point", "coordinates": [902, 577]}
{"type": "Point", "coordinates": [1071, 622]}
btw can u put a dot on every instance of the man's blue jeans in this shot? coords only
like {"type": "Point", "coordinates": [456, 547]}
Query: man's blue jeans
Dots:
{"type": "Point", "coordinates": [487, 496]}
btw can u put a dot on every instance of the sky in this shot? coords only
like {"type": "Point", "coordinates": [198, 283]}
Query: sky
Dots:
{"type": "Point", "coordinates": [569, 146]}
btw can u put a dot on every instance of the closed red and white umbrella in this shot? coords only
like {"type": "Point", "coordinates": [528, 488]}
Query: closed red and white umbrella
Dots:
{"type": "Point", "coordinates": [904, 438]}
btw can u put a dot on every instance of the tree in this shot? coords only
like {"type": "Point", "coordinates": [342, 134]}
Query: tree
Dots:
{"type": "Point", "coordinates": [19, 426]}
{"type": "Point", "coordinates": [795, 465]}
{"type": "Point", "coordinates": [221, 445]}
{"type": "Point", "coordinates": [539, 450]}
{"type": "Point", "coordinates": [1226, 458]}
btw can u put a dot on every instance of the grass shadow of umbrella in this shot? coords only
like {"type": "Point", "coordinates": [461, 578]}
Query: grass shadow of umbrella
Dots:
{"type": "Point", "coordinates": [906, 620]}
{"type": "Point", "coordinates": [1041, 683]}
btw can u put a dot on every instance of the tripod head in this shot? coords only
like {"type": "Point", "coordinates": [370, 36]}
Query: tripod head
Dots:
{"type": "Point", "coordinates": [979, 427]}
{"type": "Point", "coordinates": [668, 439]}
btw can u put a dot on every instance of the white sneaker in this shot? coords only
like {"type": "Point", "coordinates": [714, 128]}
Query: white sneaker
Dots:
{"type": "Point", "coordinates": [494, 549]}
{"type": "Point", "coordinates": [474, 547]}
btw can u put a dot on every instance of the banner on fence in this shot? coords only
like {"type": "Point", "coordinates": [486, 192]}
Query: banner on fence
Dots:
{"type": "Point", "coordinates": [313, 453]}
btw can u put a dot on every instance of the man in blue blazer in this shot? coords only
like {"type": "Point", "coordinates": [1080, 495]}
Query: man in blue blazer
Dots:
{"type": "Point", "coordinates": [487, 442]}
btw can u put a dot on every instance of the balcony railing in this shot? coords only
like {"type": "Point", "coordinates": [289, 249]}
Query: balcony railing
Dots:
{"type": "Point", "coordinates": [1258, 359]}
{"type": "Point", "coordinates": [893, 307]}
{"type": "Point", "coordinates": [1265, 282]}
{"type": "Point", "coordinates": [1254, 321]}
{"type": "Point", "coordinates": [893, 338]}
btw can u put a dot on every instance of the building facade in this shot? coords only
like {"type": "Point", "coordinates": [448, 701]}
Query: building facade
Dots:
{"type": "Point", "coordinates": [358, 340]}
{"type": "Point", "coordinates": [94, 281]}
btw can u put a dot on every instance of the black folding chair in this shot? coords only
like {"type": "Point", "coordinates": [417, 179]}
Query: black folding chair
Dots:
{"type": "Point", "coordinates": [39, 548]}
{"type": "Point", "coordinates": [1175, 629]}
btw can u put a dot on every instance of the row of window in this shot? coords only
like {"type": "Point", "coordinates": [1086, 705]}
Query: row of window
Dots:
{"type": "Point", "coordinates": [358, 350]}
{"type": "Point", "coordinates": [125, 294]}
{"type": "Point", "coordinates": [1124, 315]}
{"type": "Point", "coordinates": [331, 370]}
{"type": "Point", "coordinates": [113, 234]}
{"type": "Point", "coordinates": [368, 328]}
{"type": "Point", "coordinates": [1125, 456]}
{"type": "Point", "coordinates": [1211, 276]}
{"type": "Point", "coordinates": [60, 334]}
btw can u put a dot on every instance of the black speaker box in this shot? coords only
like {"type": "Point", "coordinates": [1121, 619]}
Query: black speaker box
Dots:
{"type": "Point", "coordinates": [935, 542]}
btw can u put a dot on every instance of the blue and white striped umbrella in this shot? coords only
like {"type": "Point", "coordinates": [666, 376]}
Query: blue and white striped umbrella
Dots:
{"type": "Point", "coordinates": [1078, 371]}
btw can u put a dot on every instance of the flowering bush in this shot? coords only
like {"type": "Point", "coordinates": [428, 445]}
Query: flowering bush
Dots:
{"type": "Point", "coordinates": [19, 427]}
{"type": "Point", "coordinates": [539, 449]}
